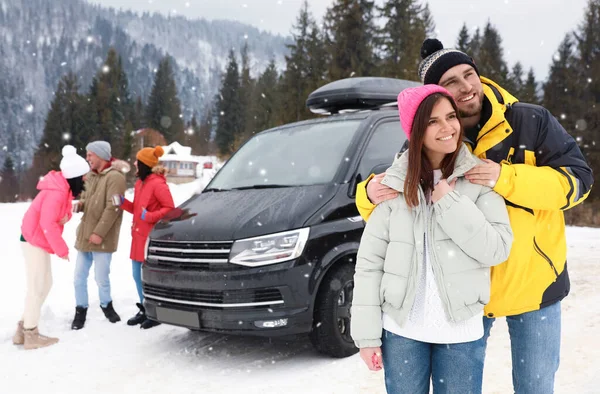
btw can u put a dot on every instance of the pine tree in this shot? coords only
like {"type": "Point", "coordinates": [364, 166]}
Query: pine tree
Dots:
{"type": "Point", "coordinates": [514, 82]}
{"type": "Point", "coordinates": [295, 79]}
{"type": "Point", "coordinates": [64, 124]}
{"type": "Point", "coordinates": [586, 67]}
{"type": "Point", "coordinates": [266, 99]}
{"type": "Point", "coordinates": [490, 58]}
{"type": "Point", "coordinates": [475, 45]}
{"type": "Point", "coordinates": [317, 58]}
{"type": "Point", "coordinates": [560, 90]}
{"type": "Point", "coordinates": [206, 144]}
{"type": "Point", "coordinates": [463, 41]}
{"type": "Point", "coordinates": [9, 182]}
{"type": "Point", "coordinates": [137, 117]}
{"type": "Point", "coordinates": [407, 25]}
{"type": "Point", "coordinates": [350, 31]}
{"type": "Point", "coordinates": [228, 107]}
{"type": "Point", "coordinates": [163, 112]}
{"type": "Point", "coordinates": [246, 91]}
{"type": "Point", "coordinates": [109, 94]}
{"type": "Point", "coordinates": [528, 92]}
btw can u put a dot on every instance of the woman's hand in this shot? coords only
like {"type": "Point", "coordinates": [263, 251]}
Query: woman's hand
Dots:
{"type": "Point", "coordinates": [441, 189]}
{"type": "Point", "coordinates": [372, 357]}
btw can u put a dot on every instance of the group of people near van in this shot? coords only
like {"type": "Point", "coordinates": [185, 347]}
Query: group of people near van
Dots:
{"type": "Point", "coordinates": [94, 185]}
{"type": "Point", "coordinates": [466, 226]}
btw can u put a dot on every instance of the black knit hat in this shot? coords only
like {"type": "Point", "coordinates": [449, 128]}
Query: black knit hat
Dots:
{"type": "Point", "coordinates": [437, 60]}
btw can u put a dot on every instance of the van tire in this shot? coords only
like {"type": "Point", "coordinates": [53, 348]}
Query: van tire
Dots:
{"type": "Point", "coordinates": [330, 334]}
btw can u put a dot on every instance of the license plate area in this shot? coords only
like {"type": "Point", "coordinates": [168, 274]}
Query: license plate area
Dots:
{"type": "Point", "coordinates": [179, 318]}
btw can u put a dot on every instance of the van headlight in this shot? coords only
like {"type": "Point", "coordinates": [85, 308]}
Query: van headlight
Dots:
{"type": "Point", "coordinates": [269, 249]}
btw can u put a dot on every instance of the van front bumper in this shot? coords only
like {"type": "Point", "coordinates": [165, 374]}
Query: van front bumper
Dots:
{"type": "Point", "coordinates": [270, 301]}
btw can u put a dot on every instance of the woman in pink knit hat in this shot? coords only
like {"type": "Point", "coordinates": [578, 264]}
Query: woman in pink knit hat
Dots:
{"type": "Point", "coordinates": [422, 271]}
{"type": "Point", "coordinates": [41, 237]}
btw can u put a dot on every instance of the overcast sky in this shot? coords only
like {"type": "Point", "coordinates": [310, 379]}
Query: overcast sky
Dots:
{"type": "Point", "coordinates": [531, 29]}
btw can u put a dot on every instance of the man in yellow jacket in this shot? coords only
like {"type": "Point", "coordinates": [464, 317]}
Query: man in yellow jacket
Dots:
{"type": "Point", "coordinates": [531, 161]}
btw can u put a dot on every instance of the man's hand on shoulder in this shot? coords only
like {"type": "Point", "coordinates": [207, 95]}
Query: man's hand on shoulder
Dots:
{"type": "Point", "coordinates": [378, 193]}
{"type": "Point", "coordinates": [485, 174]}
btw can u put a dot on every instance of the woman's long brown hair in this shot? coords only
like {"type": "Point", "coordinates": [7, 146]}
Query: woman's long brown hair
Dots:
{"type": "Point", "coordinates": [420, 171]}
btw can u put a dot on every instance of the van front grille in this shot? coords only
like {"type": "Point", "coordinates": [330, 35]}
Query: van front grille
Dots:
{"type": "Point", "coordinates": [191, 255]}
{"type": "Point", "coordinates": [216, 298]}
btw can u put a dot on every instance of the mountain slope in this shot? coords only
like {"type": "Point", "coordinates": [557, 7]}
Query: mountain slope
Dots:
{"type": "Point", "coordinates": [42, 40]}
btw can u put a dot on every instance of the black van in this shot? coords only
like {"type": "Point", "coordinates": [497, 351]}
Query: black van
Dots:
{"type": "Point", "coordinates": [268, 248]}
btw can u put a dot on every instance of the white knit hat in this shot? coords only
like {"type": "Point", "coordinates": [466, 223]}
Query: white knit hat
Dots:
{"type": "Point", "coordinates": [72, 165]}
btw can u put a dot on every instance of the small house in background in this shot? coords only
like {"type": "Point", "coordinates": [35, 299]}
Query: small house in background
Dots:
{"type": "Point", "coordinates": [143, 138]}
{"type": "Point", "coordinates": [182, 166]}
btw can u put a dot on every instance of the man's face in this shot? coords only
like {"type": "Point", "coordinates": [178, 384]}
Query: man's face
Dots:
{"type": "Point", "coordinates": [96, 163]}
{"type": "Point", "coordinates": [464, 85]}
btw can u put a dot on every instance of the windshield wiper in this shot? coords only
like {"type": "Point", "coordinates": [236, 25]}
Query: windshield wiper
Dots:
{"type": "Point", "coordinates": [214, 189]}
{"type": "Point", "coordinates": [262, 186]}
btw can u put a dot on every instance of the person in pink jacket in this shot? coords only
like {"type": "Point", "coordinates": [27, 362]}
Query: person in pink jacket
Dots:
{"type": "Point", "coordinates": [152, 200]}
{"type": "Point", "coordinates": [41, 236]}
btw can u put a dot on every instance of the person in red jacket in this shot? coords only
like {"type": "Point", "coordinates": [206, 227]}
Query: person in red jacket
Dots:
{"type": "Point", "coordinates": [41, 237]}
{"type": "Point", "coordinates": [152, 200]}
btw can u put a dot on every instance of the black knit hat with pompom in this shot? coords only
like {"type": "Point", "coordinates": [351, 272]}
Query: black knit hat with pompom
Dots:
{"type": "Point", "coordinates": [437, 60]}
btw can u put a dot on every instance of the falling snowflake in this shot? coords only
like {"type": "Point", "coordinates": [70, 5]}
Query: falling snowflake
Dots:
{"type": "Point", "coordinates": [581, 124]}
{"type": "Point", "coordinates": [259, 224]}
{"type": "Point", "coordinates": [66, 136]}
{"type": "Point", "coordinates": [5, 148]}
{"type": "Point", "coordinates": [63, 64]}
{"type": "Point", "coordinates": [89, 39]}
{"type": "Point", "coordinates": [105, 69]}
{"type": "Point", "coordinates": [245, 36]}
{"type": "Point", "coordinates": [165, 122]}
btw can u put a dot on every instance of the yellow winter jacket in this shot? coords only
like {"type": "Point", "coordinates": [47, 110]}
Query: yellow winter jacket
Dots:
{"type": "Point", "coordinates": [543, 173]}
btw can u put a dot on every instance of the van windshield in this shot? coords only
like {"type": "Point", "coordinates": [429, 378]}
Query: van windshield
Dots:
{"type": "Point", "coordinates": [306, 154]}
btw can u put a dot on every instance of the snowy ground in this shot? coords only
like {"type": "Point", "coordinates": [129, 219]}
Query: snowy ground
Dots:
{"type": "Point", "coordinates": [115, 358]}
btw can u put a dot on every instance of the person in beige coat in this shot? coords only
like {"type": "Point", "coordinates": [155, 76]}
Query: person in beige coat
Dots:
{"type": "Point", "coordinates": [422, 271]}
{"type": "Point", "coordinates": [98, 231]}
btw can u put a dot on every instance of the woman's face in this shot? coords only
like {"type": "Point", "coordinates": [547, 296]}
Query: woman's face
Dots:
{"type": "Point", "coordinates": [442, 133]}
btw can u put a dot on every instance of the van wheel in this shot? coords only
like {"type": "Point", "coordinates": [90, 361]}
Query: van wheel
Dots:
{"type": "Point", "coordinates": [331, 328]}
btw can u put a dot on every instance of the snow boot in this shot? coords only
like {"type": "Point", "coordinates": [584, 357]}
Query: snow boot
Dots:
{"type": "Point", "coordinates": [139, 317]}
{"type": "Point", "coordinates": [19, 337]}
{"type": "Point", "coordinates": [79, 320]}
{"type": "Point", "coordinates": [149, 324]}
{"type": "Point", "coordinates": [110, 313]}
{"type": "Point", "coordinates": [35, 340]}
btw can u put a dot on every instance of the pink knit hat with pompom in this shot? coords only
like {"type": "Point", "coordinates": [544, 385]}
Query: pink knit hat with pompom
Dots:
{"type": "Point", "coordinates": [409, 101]}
